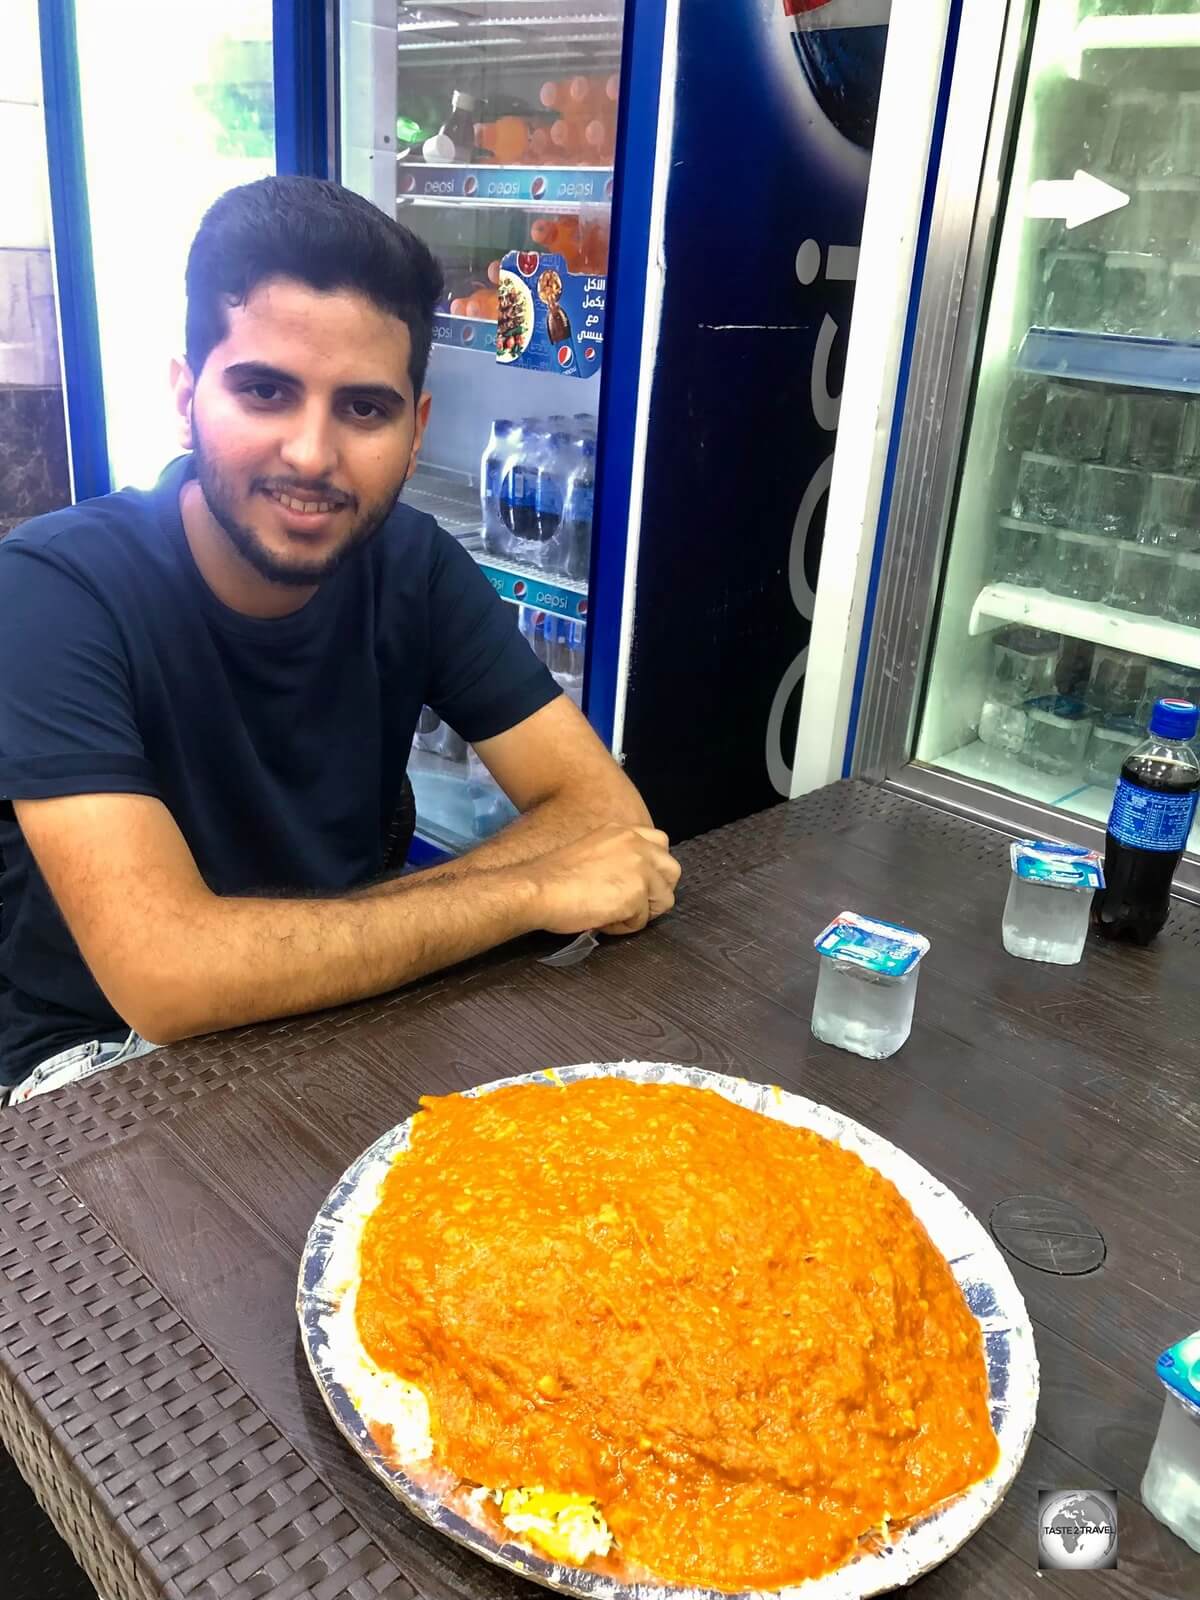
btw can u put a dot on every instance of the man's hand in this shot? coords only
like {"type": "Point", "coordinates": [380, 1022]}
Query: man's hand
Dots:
{"type": "Point", "coordinates": [615, 879]}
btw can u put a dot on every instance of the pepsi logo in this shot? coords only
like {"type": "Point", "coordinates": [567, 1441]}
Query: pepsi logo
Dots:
{"type": "Point", "coordinates": [582, 608]}
{"type": "Point", "coordinates": [408, 182]}
{"type": "Point", "coordinates": [564, 355]}
{"type": "Point", "coordinates": [590, 353]}
{"type": "Point", "coordinates": [527, 262]}
{"type": "Point", "coordinates": [520, 588]}
{"type": "Point", "coordinates": [538, 187]}
{"type": "Point", "coordinates": [608, 188]}
{"type": "Point", "coordinates": [468, 335]}
{"type": "Point", "coordinates": [470, 184]}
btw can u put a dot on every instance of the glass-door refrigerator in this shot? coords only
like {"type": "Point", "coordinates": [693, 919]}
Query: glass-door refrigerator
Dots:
{"type": "Point", "coordinates": [1020, 579]}
{"type": "Point", "coordinates": [647, 215]}
{"type": "Point", "coordinates": [490, 130]}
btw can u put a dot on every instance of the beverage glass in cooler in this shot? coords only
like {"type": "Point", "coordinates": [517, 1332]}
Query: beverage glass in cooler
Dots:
{"type": "Point", "coordinates": [1187, 118]}
{"type": "Point", "coordinates": [1134, 293]}
{"type": "Point", "coordinates": [1116, 683]}
{"type": "Point", "coordinates": [1141, 580]}
{"type": "Point", "coordinates": [1172, 517]}
{"type": "Point", "coordinates": [1163, 216]}
{"type": "Point", "coordinates": [1020, 551]}
{"type": "Point", "coordinates": [1181, 320]}
{"type": "Point", "coordinates": [1166, 680]}
{"type": "Point", "coordinates": [1183, 592]}
{"type": "Point", "coordinates": [1110, 501]}
{"type": "Point", "coordinates": [1188, 459]}
{"type": "Point", "coordinates": [1081, 565]}
{"type": "Point", "coordinates": [1046, 490]}
{"type": "Point", "coordinates": [1138, 140]}
{"type": "Point", "coordinates": [1056, 736]}
{"type": "Point", "coordinates": [1023, 664]}
{"type": "Point", "coordinates": [1145, 431]}
{"type": "Point", "coordinates": [1110, 743]}
{"type": "Point", "coordinates": [1074, 423]}
{"type": "Point", "coordinates": [1072, 288]}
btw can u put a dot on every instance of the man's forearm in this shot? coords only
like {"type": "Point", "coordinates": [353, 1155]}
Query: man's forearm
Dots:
{"type": "Point", "coordinates": [557, 821]}
{"type": "Point", "coordinates": [244, 960]}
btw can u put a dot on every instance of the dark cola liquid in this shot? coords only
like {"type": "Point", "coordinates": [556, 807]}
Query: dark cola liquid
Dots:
{"type": "Point", "coordinates": [1136, 899]}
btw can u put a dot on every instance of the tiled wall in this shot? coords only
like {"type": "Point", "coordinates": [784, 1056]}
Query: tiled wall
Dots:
{"type": "Point", "coordinates": [33, 446]}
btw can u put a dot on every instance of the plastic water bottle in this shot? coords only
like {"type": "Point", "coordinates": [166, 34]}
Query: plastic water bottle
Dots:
{"type": "Point", "coordinates": [866, 984]}
{"type": "Point", "coordinates": [1171, 1485]}
{"type": "Point", "coordinates": [1148, 826]}
{"type": "Point", "coordinates": [574, 554]}
{"type": "Point", "coordinates": [554, 465]}
{"type": "Point", "coordinates": [496, 535]}
{"type": "Point", "coordinates": [1049, 900]}
{"type": "Point", "coordinates": [519, 490]}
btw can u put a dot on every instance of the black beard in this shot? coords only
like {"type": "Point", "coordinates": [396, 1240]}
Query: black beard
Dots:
{"type": "Point", "coordinates": [293, 574]}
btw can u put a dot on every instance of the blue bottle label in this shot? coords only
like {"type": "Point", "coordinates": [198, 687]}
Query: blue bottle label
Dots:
{"type": "Point", "coordinates": [1150, 820]}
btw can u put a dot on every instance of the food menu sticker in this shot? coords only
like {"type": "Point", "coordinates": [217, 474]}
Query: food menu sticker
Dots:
{"type": "Point", "coordinates": [550, 319]}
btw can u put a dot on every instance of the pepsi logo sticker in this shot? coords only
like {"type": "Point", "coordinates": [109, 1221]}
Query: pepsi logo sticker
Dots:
{"type": "Point", "coordinates": [468, 335]}
{"type": "Point", "coordinates": [589, 353]}
{"type": "Point", "coordinates": [608, 188]}
{"type": "Point", "coordinates": [564, 355]}
{"type": "Point", "coordinates": [470, 184]}
{"type": "Point", "coordinates": [582, 608]}
{"type": "Point", "coordinates": [408, 182]}
{"type": "Point", "coordinates": [520, 588]}
{"type": "Point", "coordinates": [538, 187]}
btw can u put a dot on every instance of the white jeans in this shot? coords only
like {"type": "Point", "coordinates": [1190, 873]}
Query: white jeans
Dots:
{"type": "Point", "coordinates": [80, 1061]}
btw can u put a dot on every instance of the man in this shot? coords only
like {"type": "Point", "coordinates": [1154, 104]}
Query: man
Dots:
{"type": "Point", "coordinates": [208, 692]}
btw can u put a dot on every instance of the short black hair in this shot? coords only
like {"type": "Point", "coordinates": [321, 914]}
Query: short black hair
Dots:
{"type": "Point", "coordinates": [320, 234]}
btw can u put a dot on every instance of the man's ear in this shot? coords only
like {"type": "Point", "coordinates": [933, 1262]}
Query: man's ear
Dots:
{"type": "Point", "coordinates": [183, 385]}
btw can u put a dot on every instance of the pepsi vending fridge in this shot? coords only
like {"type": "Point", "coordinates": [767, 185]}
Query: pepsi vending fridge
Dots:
{"type": "Point", "coordinates": [648, 216]}
{"type": "Point", "coordinates": [1012, 564]}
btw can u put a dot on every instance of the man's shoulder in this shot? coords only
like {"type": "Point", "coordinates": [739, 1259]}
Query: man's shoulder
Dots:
{"type": "Point", "coordinates": [413, 543]}
{"type": "Point", "coordinates": [87, 532]}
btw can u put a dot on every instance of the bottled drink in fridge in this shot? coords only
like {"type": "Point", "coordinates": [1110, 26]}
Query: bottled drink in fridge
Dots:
{"type": "Point", "coordinates": [554, 464]}
{"type": "Point", "coordinates": [1148, 826]}
{"type": "Point", "coordinates": [496, 534]}
{"type": "Point", "coordinates": [519, 490]}
{"type": "Point", "coordinates": [574, 544]}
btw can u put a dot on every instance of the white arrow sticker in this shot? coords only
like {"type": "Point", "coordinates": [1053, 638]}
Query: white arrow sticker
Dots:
{"type": "Point", "coordinates": [1076, 200]}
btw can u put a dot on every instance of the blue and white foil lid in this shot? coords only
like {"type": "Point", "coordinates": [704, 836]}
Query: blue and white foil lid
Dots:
{"type": "Point", "coordinates": [1058, 866]}
{"type": "Point", "coordinates": [884, 949]}
{"type": "Point", "coordinates": [1179, 1369]}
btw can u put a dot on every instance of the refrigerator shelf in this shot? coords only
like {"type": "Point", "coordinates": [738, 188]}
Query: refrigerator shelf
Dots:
{"type": "Point", "coordinates": [454, 501]}
{"type": "Point", "coordinates": [1081, 619]}
{"type": "Point", "coordinates": [564, 189]}
{"type": "Point", "coordinates": [1110, 357]}
{"type": "Point", "coordinates": [1138, 33]}
{"type": "Point", "coordinates": [981, 764]}
{"type": "Point", "coordinates": [464, 333]}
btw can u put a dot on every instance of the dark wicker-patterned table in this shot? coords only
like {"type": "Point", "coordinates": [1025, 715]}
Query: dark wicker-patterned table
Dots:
{"type": "Point", "coordinates": [152, 1390]}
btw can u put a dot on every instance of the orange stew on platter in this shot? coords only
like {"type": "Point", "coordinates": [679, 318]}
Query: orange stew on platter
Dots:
{"type": "Point", "coordinates": [731, 1334]}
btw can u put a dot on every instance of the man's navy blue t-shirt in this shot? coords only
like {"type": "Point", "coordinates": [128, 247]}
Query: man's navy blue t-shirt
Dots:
{"type": "Point", "coordinates": [278, 745]}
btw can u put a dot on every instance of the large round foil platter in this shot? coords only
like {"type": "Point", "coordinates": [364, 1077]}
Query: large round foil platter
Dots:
{"type": "Point", "coordinates": [375, 1411]}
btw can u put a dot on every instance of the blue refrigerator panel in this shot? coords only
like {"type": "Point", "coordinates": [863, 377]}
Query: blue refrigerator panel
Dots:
{"type": "Point", "coordinates": [774, 116]}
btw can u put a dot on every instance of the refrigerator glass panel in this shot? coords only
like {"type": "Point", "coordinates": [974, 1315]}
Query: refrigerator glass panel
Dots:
{"type": "Point", "coordinates": [177, 103]}
{"type": "Point", "coordinates": [1071, 592]}
{"type": "Point", "coordinates": [489, 130]}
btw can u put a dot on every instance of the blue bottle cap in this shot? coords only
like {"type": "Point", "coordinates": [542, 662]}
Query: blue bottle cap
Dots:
{"type": "Point", "coordinates": [1174, 719]}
